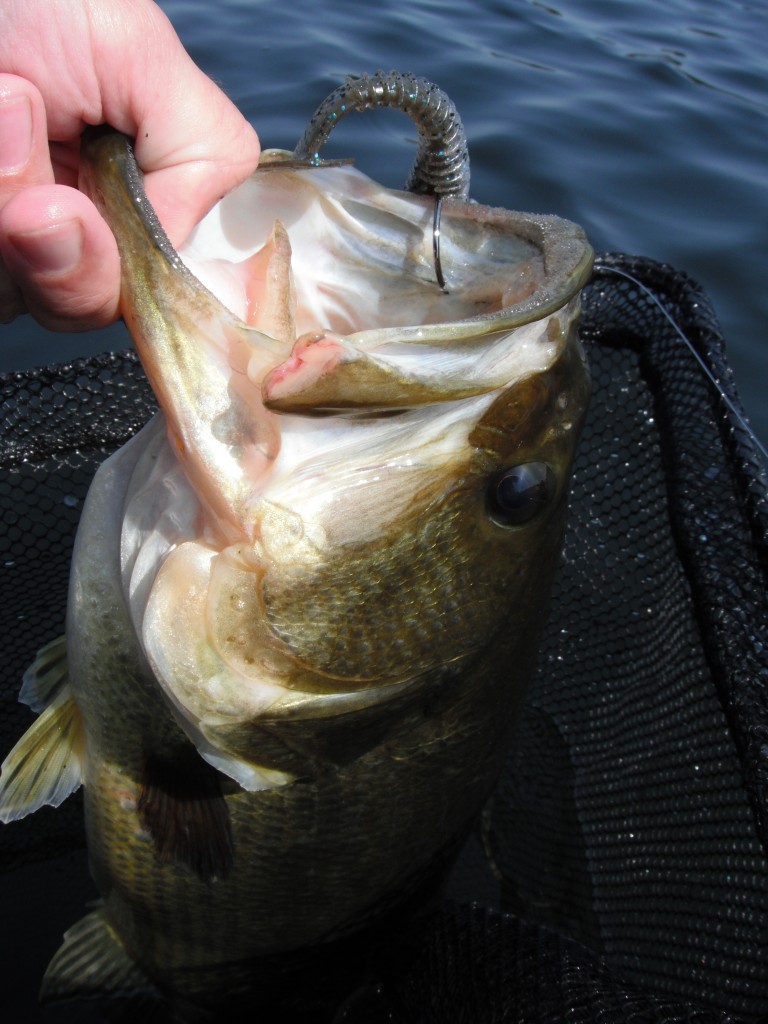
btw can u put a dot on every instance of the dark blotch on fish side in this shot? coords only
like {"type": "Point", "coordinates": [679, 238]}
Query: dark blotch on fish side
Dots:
{"type": "Point", "coordinates": [183, 808]}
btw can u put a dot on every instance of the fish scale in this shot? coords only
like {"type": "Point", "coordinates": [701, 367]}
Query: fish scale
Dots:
{"type": "Point", "coordinates": [352, 591]}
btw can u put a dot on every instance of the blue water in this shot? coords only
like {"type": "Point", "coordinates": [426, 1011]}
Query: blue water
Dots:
{"type": "Point", "coordinates": [645, 122]}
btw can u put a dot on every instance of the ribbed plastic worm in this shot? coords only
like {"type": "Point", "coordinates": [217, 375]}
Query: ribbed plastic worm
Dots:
{"type": "Point", "coordinates": [442, 162]}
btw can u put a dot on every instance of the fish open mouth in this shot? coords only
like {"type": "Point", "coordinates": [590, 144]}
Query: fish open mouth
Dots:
{"type": "Point", "coordinates": [344, 277]}
{"type": "Point", "coordinates": [361, 257]}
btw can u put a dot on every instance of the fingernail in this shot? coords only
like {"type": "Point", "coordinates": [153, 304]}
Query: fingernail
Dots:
{"type": "Point", "coordinates": [51, 250]}
{"type": "Point", "coordinates": [15, 133]}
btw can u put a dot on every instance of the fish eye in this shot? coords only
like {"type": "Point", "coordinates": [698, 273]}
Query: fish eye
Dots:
{"type": "Point", "coordinates": [517, 494]}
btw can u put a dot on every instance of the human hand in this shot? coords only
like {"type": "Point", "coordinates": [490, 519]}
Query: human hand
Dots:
{"type": "Point", "coordinates": [78, 62]}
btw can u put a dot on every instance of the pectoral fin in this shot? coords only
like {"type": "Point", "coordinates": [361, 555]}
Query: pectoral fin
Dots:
{"type": "Point", "coordinates": [182, 806]}
{"type": "Point", "coordinates": [45, 766]}
{"type": "Point", "coordinates": [91, 963]}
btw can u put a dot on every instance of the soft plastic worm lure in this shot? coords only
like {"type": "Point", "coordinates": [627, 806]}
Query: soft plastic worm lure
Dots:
{"type": "Point", "coordinates": [442, 162]}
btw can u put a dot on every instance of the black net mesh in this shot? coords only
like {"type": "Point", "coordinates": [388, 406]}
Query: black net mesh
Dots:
{"type": "Point", "coordinates": [619, 872]}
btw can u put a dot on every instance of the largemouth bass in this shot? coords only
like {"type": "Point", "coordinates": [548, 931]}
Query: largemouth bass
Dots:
{"type": "Point", "coordinates": [305, 599]}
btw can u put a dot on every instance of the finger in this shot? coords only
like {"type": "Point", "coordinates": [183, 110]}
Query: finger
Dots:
{"type": "Point", "coordinates": [24, 154]}
{"type": "Point", "coordinates": [63, 258]}
{"type": "Point", "coordinates": [194, 145]}
{"type": "Point", "coordinates": [181, 195]}
{"type": "Point", "coordinates": [24, 161]}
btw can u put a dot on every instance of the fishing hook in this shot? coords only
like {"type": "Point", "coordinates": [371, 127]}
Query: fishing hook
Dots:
{"type": "Point", "coordinates": [436, 242]}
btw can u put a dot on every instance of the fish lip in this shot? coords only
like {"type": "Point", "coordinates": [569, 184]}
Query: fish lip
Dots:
{"type": "Point", "coordinates": [568, 263]}
{"type": "Point", "coordinates": [103, 150]}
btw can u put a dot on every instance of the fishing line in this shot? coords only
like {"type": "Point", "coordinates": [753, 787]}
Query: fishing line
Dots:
{"type": "Point", "coordinates": [604, 269]}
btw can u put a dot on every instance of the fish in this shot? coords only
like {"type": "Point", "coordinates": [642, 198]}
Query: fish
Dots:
{"type": "Point", "coordinates": [306, 598]}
